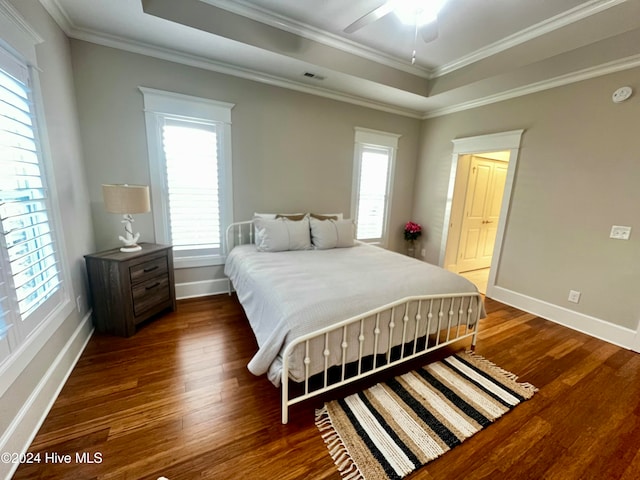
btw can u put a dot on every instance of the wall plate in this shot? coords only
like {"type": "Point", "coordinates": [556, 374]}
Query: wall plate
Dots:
{"type": "Point", "coordinates": [621, 94]}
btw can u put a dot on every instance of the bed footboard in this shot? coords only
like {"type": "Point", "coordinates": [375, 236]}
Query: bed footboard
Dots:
{"type": "Point", "coordinates": [451, 317]}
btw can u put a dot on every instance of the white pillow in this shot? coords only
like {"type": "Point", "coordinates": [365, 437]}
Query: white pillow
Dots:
{"type": "Point", "coordinates": [332, 233]}
{"type": "Point", "coordinates": [279, 235]}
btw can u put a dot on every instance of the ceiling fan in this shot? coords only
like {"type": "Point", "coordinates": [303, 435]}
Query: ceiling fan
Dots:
{"type": "Point", "coordinates": [422, 14]}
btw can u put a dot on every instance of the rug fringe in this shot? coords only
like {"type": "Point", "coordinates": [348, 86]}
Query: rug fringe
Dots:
{"type": "Point", "coordinates": [337, 449]}
{"type": "Point", "coordinates": [531, 389]}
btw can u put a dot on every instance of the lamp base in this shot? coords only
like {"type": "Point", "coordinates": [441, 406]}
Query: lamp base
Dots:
{"type": "Point", "coordinates": [131, 249]}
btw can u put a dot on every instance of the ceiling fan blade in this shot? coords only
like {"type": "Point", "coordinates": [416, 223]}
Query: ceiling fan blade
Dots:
{"type": "Point", "coordinates": [370, 17]}
{"type": "Point", "coordinates": [429, 32]}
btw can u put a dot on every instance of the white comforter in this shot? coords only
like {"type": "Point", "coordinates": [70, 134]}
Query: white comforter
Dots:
{"type": "Point", "coordinates": [288, 294]}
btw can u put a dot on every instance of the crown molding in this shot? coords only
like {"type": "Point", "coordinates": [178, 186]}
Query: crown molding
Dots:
{"type": "Point", "coordinates": [245, 9]}
{"type": "Point", "coordinates": [59, 15]}
{"type": "Point", "coordinates": [549, 25]}
{"type": "Point", "coordinates": [126, 44]}
{"type": "Point", "coordinates": [562, 80]}
{"type": "Point", "coordinates": [204, 63]}
{"type": "Point", "coordinates": [11, 14]}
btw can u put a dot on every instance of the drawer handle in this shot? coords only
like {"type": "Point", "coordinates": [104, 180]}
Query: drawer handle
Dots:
{"type": "Point", "coordinates": [151, 287]}
{"type": "Point", "coordinates": [150, 269]}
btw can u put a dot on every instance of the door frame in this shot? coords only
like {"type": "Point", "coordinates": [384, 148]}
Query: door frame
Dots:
{"type": "Point", "coordinates": [501, 141]}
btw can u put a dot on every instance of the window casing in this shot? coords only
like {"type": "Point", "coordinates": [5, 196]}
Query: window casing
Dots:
{"type": "Point", "coordinates": [374, 163]}
{"type": "Point", "coordinates": [189, 142]}
{"type": "Point", "coordinates": [32, 279]}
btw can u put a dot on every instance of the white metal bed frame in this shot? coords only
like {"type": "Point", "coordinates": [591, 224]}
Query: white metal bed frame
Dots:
{"type": "Point", "coordinates": [440, 308]}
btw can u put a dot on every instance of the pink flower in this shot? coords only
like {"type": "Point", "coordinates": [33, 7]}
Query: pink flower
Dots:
{"type": "Point", "coordinates": [412, 231]}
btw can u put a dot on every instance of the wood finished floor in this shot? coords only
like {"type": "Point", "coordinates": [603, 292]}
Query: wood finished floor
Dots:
{"type": "Point", "coordinates": [177, 400]}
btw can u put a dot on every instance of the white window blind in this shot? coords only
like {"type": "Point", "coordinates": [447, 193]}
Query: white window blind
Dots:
{"type": "Point", "coordinates": [29, 269]}
{"type": "Point", "coordinates": [189, 141]}
{"type": "Point", "coordinates": [373, 173]}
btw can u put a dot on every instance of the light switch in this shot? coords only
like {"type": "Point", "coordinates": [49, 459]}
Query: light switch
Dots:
{"type": "Point", "coordinates": [620, 232]}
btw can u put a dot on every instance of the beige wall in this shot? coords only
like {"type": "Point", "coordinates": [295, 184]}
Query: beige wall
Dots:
{"type": "Point", "coordinates": [291, 151]}
{"type": "Point", "coordinates": [577, 175]}
{"type": "Point", "coordinates": [40, 368]}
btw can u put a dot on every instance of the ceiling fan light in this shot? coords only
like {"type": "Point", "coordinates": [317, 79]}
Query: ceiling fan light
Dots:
{"type": "Point", "coordinates": [417, 12]}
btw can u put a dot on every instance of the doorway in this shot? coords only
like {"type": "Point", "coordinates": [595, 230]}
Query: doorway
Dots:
{"type": "Point", "coordinates": [482, 174]}
{"type": "Point", "coordinates": [481, 203]}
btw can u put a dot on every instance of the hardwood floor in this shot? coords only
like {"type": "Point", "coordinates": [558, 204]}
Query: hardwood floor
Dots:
{"type": "Point", "coordinates": [177, 400]}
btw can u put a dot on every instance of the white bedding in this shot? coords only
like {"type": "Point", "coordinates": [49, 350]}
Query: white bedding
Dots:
{"type": "Point", "coordinates": [291, 293]}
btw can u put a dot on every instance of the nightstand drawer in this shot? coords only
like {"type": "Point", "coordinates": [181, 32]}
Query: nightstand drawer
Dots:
{"type": "Point", "coordinates": [144, 271]}
{"type": "Point", "coordinates": [150, 293]}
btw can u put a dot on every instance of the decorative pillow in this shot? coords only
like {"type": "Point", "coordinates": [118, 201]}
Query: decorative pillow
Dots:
{"type": "Point", "coordinates": [279, 235]}
{"type": "Point", "coordinates": [326, 216]}
{"type": "Point", "coordinates": [327, 234]}
{"type": "Point", "coordinates": [272, 216]}
{"type": "Point", "coordinates": [295, 217]}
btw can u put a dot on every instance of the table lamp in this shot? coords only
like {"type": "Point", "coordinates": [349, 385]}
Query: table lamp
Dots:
{"type": "Point", "coordinates": [127, 200]}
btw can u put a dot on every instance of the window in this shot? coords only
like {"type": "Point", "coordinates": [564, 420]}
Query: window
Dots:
{"type": "Point", "coordinates": [30, 272]}
{"type": "Point", "coordinates": [373, 175]}
{"type": "Point", "coordinates": [189, 143]}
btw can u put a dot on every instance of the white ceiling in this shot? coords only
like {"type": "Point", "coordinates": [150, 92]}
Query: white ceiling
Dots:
{"type": "Point", "coordinates": [486, 50]}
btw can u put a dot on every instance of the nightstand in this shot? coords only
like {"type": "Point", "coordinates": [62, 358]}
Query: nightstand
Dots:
{"type": "Point", "coordinates": [129, 288]}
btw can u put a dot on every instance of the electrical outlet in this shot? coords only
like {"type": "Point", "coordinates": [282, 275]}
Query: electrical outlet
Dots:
{"type": "Point", "coordinates": [423, 252]}
{"type": "Point", "coordinates": [620, 232]}
{"type": "Point", "coordinates": [574, 296]}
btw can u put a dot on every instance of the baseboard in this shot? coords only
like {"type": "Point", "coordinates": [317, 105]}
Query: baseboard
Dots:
{"type": "Point", "coordinates": [24, 427]}
{"type": "Point", "coordinates": [592, 326]}
{"type": "Point", "coordinates": [202, 288]}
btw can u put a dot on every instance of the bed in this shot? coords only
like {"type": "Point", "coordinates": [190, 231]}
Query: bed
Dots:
{"type": "Point", "coordinates": [324, 317]}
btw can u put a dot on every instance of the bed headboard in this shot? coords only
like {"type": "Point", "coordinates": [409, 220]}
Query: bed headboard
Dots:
{"type": "Point", "coordinates": [239, 233]}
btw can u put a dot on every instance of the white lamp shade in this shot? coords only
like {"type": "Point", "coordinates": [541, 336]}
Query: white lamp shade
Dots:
{"type": "Point", "coordinates": [126, 199]}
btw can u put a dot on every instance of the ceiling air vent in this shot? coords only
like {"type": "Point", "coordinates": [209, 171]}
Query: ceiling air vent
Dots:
{"type": "Point", "coordinates": [315, 76]}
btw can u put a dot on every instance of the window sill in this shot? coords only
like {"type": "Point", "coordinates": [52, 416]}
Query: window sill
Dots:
{"type": "Point", "coordinates": [198, 261]}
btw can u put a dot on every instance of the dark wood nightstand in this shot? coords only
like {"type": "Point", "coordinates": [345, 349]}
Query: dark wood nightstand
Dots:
{"type": "Point", "coordinates": [129, 288]}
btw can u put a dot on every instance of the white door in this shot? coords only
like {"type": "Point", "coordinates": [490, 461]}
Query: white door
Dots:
{"type": "Point", "coordinates": [485, 188]}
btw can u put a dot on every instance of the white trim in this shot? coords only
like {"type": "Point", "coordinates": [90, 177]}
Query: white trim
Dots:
{"type": "Point", "coordinates": [548, 25]}
{"type": "Point", "coordinates": [369, 138]}
{"type": "Point", "coordinates": [376, 138]}
{"type": "Point", "coordinates": [636, 339]}
{"type": "Point", "coordinates": [281, 22]}
{"type": "Point", "coordinates": [614, 66]}
{"type": "Point", "coordinates": [484, 143]}
{"type": "Point", "coordinates": [173, 103]}
{"type": "Point", "coordinates": [595, 327]}
{"type": "Point", "coordinates": [158, 106]}
{"type": "Point", "coordinates": [24, 427]}
{"type": "Point", "coordinates": [488, 143]}
{"type": "Point", "coordinates": [17, 33]}
{"type": "Point", "coordinates": [123, 43]}
{"type": "Point", "coordinates": [128, 45]}
{"type": "Point", "coordinates": [197, 261]}
{"type": "Point", "coordinates": [202, 288]}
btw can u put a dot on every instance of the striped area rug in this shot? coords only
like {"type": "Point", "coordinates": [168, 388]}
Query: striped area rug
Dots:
{"type": "Point", "coordinates": [396, 427]}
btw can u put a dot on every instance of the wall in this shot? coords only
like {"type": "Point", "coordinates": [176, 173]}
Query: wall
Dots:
{"type": "Point", "coordinates": [577, 175]}
{"type": "Point", "coordinates": [39, 369]}
{"type": "Point", "coordinates": [291, 151]}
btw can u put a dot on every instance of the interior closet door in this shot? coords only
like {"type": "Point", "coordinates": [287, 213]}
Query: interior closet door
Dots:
{"type": "Point", "coordinates": [485, 188]}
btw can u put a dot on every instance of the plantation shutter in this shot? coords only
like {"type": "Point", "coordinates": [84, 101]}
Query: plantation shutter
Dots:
{"type": "Point", "coordinates": [374, 170]}
{"type": "Point", "coordinates": [192, 178]}
{"type": "Point", "coordinates": [29, 270]}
